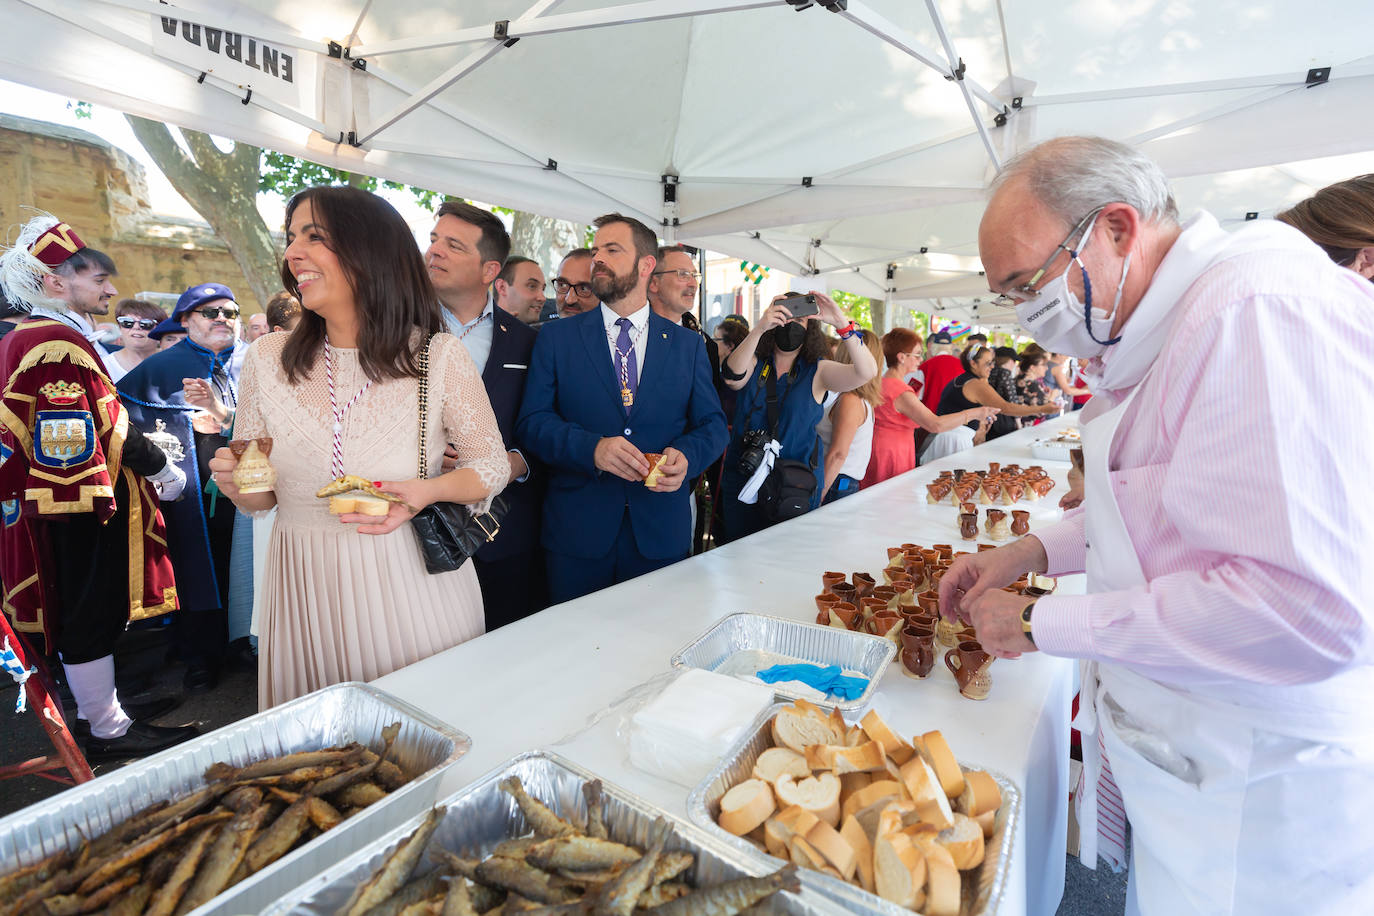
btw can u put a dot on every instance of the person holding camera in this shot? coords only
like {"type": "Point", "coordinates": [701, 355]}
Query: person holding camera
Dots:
{"type": "Point", "coordinates": [774, 465]}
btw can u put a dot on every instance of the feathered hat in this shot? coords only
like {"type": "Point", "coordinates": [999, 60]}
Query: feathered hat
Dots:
{"type": "Point", "coordinates": [45, 242]}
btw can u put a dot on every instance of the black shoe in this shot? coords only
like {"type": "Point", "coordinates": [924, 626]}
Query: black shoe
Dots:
{"type": "Point", "coordinates": [140, 740]}
{"type": "Point", "coordinates": [141, 711]}
{"type": "Point", "coordinates": [200, 678]}
{"type": "Point", "coordinates": [240, 655]}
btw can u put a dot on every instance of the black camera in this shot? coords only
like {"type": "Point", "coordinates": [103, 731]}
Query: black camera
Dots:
{"type": "Point", "coordinates": [751, 451]}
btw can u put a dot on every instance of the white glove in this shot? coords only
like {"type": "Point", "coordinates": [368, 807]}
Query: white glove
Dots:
{"type": "Point", "coordinates": [170, 481]}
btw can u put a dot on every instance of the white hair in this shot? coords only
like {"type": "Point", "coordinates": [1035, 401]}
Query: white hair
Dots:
{"type": "Point", "coordinates": [1073, 176]}
{"type": "Point", "coordinates": [21, 274]}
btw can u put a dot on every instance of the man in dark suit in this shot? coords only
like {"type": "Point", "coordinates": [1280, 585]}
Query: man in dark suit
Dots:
{"type": "Point", "coordinates": [590, 418]}
{"type": "Point", "coordinates": [467, 249]}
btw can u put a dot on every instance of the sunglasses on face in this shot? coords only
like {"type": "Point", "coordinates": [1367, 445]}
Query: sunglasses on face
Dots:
{"type": "Point", "coordinates": [143, 324]}
{"type": "Point", "coordinates": [212, 312]}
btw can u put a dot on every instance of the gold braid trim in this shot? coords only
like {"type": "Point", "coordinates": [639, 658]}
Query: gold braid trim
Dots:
{"type": "Point", "coordinates": [23, 626]}
{"type": "Point", "coordinates": [84, 503]}
{"type": "Point", "coordinates": [55, 351]}
{"type": "Point", "coordinates": [137, 609]}
{"type": "Point", "coordinates": [114, 455]}
{"type": "Point", "coordinates": [16, 424]}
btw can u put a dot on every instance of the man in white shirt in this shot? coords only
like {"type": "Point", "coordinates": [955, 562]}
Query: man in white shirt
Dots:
{"type": "Point", "coordinates": [520, 288]}
{"type": "Point", "coordinates": [467, 249]}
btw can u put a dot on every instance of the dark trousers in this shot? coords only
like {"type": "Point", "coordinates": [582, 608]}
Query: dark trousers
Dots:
{"type": "Point", "coordinates": [513, 588]}
{"type": "Point", "coordinates": [572, 577]}
{"type": "Point", "coordinates": [91, 573]}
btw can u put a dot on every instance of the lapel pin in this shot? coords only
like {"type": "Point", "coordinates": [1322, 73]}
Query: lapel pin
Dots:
{"type": "Point", "coordinates": [665, 336]}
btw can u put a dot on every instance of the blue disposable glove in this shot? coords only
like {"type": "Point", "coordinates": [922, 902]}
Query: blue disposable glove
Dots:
{"type": "Point", "coordinates": [828, 679]}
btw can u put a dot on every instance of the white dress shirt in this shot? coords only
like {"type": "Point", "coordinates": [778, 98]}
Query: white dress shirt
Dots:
{"type": "Point", "coordinates": [476, 335]}
{"type": "Point", "coordinates": [639, 335]}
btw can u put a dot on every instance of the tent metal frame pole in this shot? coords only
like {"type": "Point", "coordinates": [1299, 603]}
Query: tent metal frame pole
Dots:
{"type": "Point", "coordinates": [275, 35]}
{"type": "Point", "coordinates": [878, 25]}
{"type": "Point", "coordinates": [1270, 81]}
{"type": "Point", "coordinates": [450, 76]}
{"type": "Point", "coordinates": [528, 26]}
{"type": "Point", "coordinates": [357, 27]}
{"type": "Point", "coordinates": [954, 62]}
{"type": "Point", "coordinates": [1215, 111]}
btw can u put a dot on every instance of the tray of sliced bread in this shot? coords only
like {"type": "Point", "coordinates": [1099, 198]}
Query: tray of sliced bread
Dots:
{"type": "Point", "coordinates": [876, 823]}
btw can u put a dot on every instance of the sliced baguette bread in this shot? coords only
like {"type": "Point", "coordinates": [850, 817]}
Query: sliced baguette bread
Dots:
{"type": "Point", "coordinates": [935, 750]}
{"type": "Point", "coordinates": [802, 725]}
{"type": "Point", "coordinates": [865, 758]}
{"type": "Point", "coordinates": [963, 841]}
{"type": "Point", "coordinates": [899, 870]}
{"type": "Point", "coordinates": [819, 794]}
{"type": "Point", "coordinates": [893, 746]}
{"type": "Point", "coordinates": [746, 806]}
{"type": "Point", "coordinates": [837, 850]}
{"type": "Point", "coordinates": [931, 802]}
{"type": "Point", "coordinates": [873, 792]}
{"type": "Point", "coordinates": [980, 794]}
{"type": "Point", "coordinates": [858, 840]}
{"type": "Point", "coordinates": [942, 878]}
{"type": "Point", "coordinates": [777, 761]}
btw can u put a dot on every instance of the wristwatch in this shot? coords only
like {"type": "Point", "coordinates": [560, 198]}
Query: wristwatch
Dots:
{"type": "Point", "coordinates": [1026, 620]}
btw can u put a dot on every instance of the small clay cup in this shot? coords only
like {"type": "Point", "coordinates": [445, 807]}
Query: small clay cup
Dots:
{"type": "Point", "coordinates": [824, 602]}
{"type": "Point", "coordinates": [846, 592]}
{"type": "Point", "coordinates": [994, 467]}
{"type": "Point", "coordinates": [869, 607]}
{"type": "Point", "coordinates": [918, 652]}
{"type": "Point", "coordinates": [863, 584]}
{"type": "Point", "coordinates": [887, 593]}
{"type": "Point", "coordinates": [848, 614]}
{"type": "Point", "coordinates": [894, 556]}
{"type": "Point", "coordinates": [969, 664]}
{"type": "Point", "coordinates": [929, 602]}
{"type": "Point", "coordinates": [830, 579]}
{"type": "Point", "coordinates": [947, 632]}
{"type": "Point", "coordinates": [946, 551]}
{"type": "Point", "coordinates": [884, 622]}
{"type": "Point", "coordinates": [968, 526]}
{"type": "Point", "coordinates": [1020, 522]}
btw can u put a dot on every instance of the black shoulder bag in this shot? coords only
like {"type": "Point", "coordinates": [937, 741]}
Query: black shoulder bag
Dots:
{"type": "Point", "coordinates": [791, 485]}
{"type": "Point", "coordinates": [448, 532]}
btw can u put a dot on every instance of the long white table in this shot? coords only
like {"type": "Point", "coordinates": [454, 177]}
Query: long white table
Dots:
{"type": "Point", "coordinates": [564, 677]}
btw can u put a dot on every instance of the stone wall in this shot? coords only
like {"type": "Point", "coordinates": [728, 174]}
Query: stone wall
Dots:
{"type": "Point", "coordinates": [102, 193]}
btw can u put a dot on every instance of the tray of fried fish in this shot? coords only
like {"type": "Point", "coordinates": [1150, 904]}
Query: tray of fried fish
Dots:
{"type": "Point", "coordinates": [540, 834]}
{"type": "Point", "coordinates": [230, 821]}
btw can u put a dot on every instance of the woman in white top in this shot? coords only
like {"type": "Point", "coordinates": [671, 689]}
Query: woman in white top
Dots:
{"type": "Point", "coordinates": [846, 429]}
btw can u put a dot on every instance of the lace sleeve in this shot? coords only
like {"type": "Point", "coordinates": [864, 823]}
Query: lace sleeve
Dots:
{"type": "Point", "coordinates": [469, 424]}
{"type": "Point", "coordinates": [248, 421]}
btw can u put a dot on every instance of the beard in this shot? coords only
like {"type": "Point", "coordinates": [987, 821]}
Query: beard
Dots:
{"type": "Point", "coordinates": [614, 287]}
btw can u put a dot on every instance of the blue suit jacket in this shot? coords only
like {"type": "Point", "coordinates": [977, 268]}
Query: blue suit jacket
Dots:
{"type": "Point", "coordinates": [572, 401]}
{"type": "Point", "coordinates": [504, 377]}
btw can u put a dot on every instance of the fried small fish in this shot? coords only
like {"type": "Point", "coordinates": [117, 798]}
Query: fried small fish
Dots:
{"type": "Point", "coordinates": [133, 901]}
{"type": "Point", "coordinates": [545, 822]}
{"type": "Point", "coordinates": [458, 900]}
{"type": "Point", "coordinates": [397, 868]}
{"type": "Point", "coordinates": [359, 795]}
{"type": "Point", "coordinates": [140, 851]}
{"type": "Point", "coordinates": [429, 888]}
{"type": "Point", "coordinates": [334, 783]}
{"type": "Point", "coordinates": [596, 821]}
{"type": "Point", "coordinates": [273, 766]}
{"type": "Point", "coordinates": [276, 841]}
{"type": "Point", "coordinates": [523, 879]}
{"type": "Point", "coordinates": [244, 798]}
{"type": "Point", "coordinates": [322, 814]}
{"type": "Point", "coordinates": [516, 849]}
{"type": "Point", "coordinates": [224, 857]}
{"type": "Point", "coordinates": [165, 901]}
{"type": "Point", "coordinates": [660, 894]}
{"type": "Point", "coordinates": [580, 853]}
{"type": "Point", "coordinates": [618, 898]}
{"type": "Point", "coordinates": [731, 897]}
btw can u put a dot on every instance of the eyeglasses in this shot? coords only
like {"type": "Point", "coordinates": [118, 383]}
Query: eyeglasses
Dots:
{"type": "Point", "coordinates": [1027, 292]}
{"type": "Point", "coordinates": [128, 322]}
{"type": "Point", "coordinates": [214, 311]}
{"type": "Point", "coordinates": [582, 289]}
{"type": "Point", "coordinates": [682, 274]}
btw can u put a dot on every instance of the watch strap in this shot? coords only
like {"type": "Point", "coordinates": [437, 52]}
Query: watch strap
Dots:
{"type": "Point", "coordinates": [1026, 619]}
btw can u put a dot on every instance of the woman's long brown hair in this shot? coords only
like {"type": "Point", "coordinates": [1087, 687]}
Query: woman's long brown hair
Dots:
{"type": "Point", "coordinates": [386, 271]}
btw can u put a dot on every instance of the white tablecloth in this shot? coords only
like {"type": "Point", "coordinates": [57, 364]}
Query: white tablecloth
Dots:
{"type": "Point", "coordinates": [535, 683]}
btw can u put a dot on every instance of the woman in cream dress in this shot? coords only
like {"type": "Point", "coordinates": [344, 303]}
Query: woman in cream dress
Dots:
{"type": "Point", "coordinates": [347, 597]}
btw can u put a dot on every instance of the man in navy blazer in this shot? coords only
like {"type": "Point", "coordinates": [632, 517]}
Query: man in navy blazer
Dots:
{"type": "Point", "coordinates": [604, 388]}
{"type": "Point", "coordinates": [467, 249]}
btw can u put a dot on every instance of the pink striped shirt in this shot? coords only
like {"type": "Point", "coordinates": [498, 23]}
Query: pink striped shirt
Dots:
{"type": "Point", "coordinates": [1243, 473]}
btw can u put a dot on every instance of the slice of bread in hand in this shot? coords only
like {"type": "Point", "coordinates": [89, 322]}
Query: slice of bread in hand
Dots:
{"type": "Point", "coordinates": [819, 794]}
{"type": "Point", "coordinates": [360, 503]}
{"type": "Point", "coordinates": [936, 752]}
{"type": "Point", "coordinates": [964, 842]}
{"type": "Point", "coordinates": [893, 746]}
{"type": "Point", "coordinates": [931, 802]}
{"type": "Point", "coordinates": [776, 761]}
{"type": "Point", "coordinates": [746, 806]}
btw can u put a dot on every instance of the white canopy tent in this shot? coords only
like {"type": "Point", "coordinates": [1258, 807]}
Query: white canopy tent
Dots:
{"type": "Point", "coordinates": [848, 139]}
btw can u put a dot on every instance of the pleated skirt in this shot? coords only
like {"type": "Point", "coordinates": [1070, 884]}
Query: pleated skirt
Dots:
{"type": "Point", "coordinates": [342, 606]}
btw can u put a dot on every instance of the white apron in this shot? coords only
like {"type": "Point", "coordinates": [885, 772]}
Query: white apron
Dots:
{"type": "Point", "coordinates": [1237, 804]}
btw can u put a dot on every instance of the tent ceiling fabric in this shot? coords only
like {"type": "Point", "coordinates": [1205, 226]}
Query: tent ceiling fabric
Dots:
{"type": "Point", "coordinates": [809, 140]}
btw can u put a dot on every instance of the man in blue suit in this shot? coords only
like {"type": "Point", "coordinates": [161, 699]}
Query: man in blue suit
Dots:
{"type": "Point", "coordinates": [604, 388]}
{"type": "Point", "coordinates": [467, 248]}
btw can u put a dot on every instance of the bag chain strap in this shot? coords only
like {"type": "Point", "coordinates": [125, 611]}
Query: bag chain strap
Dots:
{"type": "Point", "coordinates": [424, 406]}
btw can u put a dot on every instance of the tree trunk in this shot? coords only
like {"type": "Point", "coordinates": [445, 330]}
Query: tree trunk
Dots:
{"type": "Point", "coordinates": [223, 187]}
{"type": "Point", "coordinates": [878, 309]}
{"type": "Point", "coordinates": [544, 239]}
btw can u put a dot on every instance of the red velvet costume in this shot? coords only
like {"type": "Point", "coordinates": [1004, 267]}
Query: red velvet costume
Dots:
{"type": "Point", "coordinates": [71, 480]}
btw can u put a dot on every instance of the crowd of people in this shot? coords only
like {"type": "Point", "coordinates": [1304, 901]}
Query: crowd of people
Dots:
{"type": "Point", "coordinates": [1226, 619]}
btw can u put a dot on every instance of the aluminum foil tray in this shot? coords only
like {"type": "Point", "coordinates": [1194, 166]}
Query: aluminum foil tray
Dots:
{"type": "Point", "coordinates": [481, 815]}
{"type": "Point", "coordinates": [334, 715]}
{"type": "Point", "coordinates": [739, 633]}
{"type": "Point", "coordinates": [983, 888]}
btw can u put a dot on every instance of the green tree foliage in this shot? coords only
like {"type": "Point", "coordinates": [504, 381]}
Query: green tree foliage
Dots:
{"type": "Point", "coordinates": [285, 175]}
{"type": "Point", "coordinates": [858, 308]}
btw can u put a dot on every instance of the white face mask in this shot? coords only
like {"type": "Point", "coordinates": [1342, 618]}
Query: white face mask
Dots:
{"type": "Point", "coordinates": [1060, 323]}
